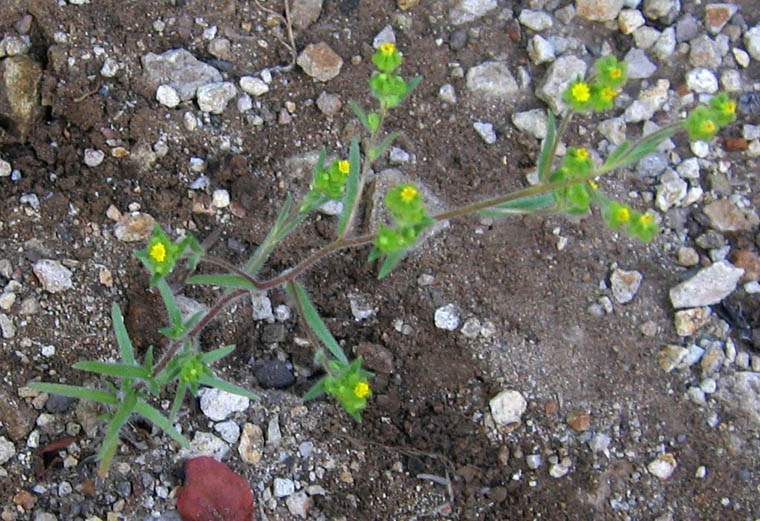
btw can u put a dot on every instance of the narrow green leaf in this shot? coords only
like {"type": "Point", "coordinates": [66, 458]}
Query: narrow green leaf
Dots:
{"type": "Point", "coordinates": [374, 253]}
{"type": "Point", "coordinates": [360, 114]}
{"type": "Point", "coordinates": [74, 391]}
{"type": "Point", "coordinates": [617, 154]}
{"type": "Point", "coordinates": [162, 422]}
{"type": "Point", "coordinates": [314, 321]}
{"type": "Point", "coordinates": [122, 337]}
{"type": "Point", "coordinates": [316, 389]}
{"type": "Point", "coordinates": [178, 399]}
{"type": "Point", "coordinates": [111, 439]}
{"type": "Point", "coordinates": [519, 206]}
{"type": "Point", "coordinates": [213, 381]}
{"type": "Point", "coordinates": [352, 187]}
{"type": "Point", "coordinates": [390, 262]}
{"type": "Point", "coordinates": [545, 159]}
{"type": "Point", "coordinates": [259, 257]}
{"type": "Point", "coordinates": [216, 354]}
{"type": "Point", "coordinates": [383, 146]}
{"type": "Point", "coordinates": [289, 227]}
{"type": "Point", "coordinates": [121, 370]}
{"type": "Point", "coordinates": [221, 279]}
{"type": "Point", "coordinates": [411, 85]}
{"type": "Point", "coordinates": [175, 315]}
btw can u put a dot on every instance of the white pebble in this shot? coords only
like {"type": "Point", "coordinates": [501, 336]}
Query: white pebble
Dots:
{"type": "Point", "coordinates": [446, 317]}
{"type": "Point", "coordinates": [93, 157]}
{"type": "Point", "coordinates": [221, 198]}
{"type": "Point", "coordinates": [167, 96]}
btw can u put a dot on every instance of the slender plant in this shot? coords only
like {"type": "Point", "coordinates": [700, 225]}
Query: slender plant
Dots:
{"type": "Point", "coordinates": [566, 185]}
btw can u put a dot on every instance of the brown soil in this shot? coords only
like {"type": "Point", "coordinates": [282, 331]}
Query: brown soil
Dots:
{"type": "Point", "coordinates": [429, 415]}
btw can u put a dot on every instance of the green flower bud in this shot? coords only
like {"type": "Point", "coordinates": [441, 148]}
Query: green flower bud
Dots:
{"type": "Point", "coordinates": [387, 58]}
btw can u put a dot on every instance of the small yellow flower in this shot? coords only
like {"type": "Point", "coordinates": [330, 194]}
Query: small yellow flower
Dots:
{"type": "Point", "coordinates": [593, 184]}
{"type": "Point", "coordinates": [387, 48]}
{"type": "Point", "coordinates": [158, 252]}
{"type": "Point", "coordinates": [623, 214]}
{"type": "Point", "coordinates": [646, 218]}
{"type": "Point", "coordinates": [608, 93]}
{"type": "Point", "coordinates": [581, 92]}
{"type": "Point", "coordinates": [581, 153]}
{"type": "Point", "coordinates": [729, 108]}
{"type": "Point", "coordinates": [344, 167]}
{"type": "Point", "coordinates": [361, 390]}
{"type": "Point", "coordinates": [409, 193]}
{"type": "Point", "coordinates": [616, 73]}
{"type": "Point", "coordinates": [708, 126]}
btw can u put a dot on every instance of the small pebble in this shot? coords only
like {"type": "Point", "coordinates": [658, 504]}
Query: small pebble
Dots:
{"type": "Point", "coordinates": [447, 317]}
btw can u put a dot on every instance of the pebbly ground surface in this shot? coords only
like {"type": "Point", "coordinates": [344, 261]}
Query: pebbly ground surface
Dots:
{"type": "Point", "coordinates": [533, 368]}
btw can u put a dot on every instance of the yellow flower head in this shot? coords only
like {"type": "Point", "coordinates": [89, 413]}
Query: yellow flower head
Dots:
{"type": "Point", "coordinates": [609, 94]}
{"type": "Point", "coordinates": [581, 153]}
{"type": "Point", "coordinates": [361, 390]}
{"type": "Point", "coordinates": [646, 218]}
{"type": "Point", "coordinates": [158, 252]}
{"type": "Point", "coordinates": [409, 193]}
{"type": "Point", "coordinates": [729, 107]}
{"type": "Point", "coordinates": [623, 214]}
{"type": "Point", "coordinates": [387, 48]}
{"type": "Point", "coordinates": [616, 73]}
{"type": "Point", "coordinates": [344, 167]}
{"type": "Point", "coordinates": [581, 92]}
{"type": "Point", "coordinates": [708, 126]}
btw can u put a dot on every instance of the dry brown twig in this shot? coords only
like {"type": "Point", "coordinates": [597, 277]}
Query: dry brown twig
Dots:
{"type": "Point", "coordinates": [289, 27]}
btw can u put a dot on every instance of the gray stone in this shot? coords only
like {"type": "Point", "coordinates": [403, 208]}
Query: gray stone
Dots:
{"type": "Point", "coordinates": [299, 504]}
{"type": "Point", "coordinates": [205, 444]}
{"type": "Point", "coordinates": [7, 327]}
{"type": "Point", "coordinates": [718, 15]}
{"type": "Point", "coordinates": [709, 286]}
{"type": "Point", "coordinates": [5, 168]}
{"type": "Point", "coordinates": [283, 487]}
{"type": "Point", "coordinates": [689, 168]}
{"type": "Point", "coordinates": [15, 45]}
{"type": "Point", "coordinates": [53, 275]}
{"type": "Point", "coordinates": [361, 306]}
{"type": "Point", "coordinates": [535, 20]}
{"type": "Point", "coordinates": [447, 317]}
{"type": "Point", "coordinates": [329, 104]}
{"type": "Point", "coordinates": [179, 69]}
{"type": "Point", "coordinates": [652, 165]}
{"type": "Point", "coordinates": [303, 13]}
{"type": "Point", "coordinates": [386, 35]}
{"type": "Point", "coordinates": [19, 95]}
{"type": "Point", "coordinates": [507, 407]}
{"type": "Point", "coordinates": [7, 450]}
{"type": "Point", "coordinates": [320, 62]}
{"type": "Point", "coordinates": [468, 10]}
{"type": "Point", "coordinates": [447, 93]}
{"type": "Point", "coordinates": [752, 42]}
{"type": "Point", "coordinates": [167, 96]}
{"type": "Point", "coordinates": [637, 111]}
{"type": "Point", "coordinates": [665, 45]}
{"type": "Point", "coordinates": [687, 28]}
{"type": "Point", "coordinates": [274, 434]}
{"type": "Point", "coordinates": [630, 20]}
{"type": "Point", "coordinates": [492, 80]}
{"type": "Point", "coordinates": [663, 10]}
{"type": "Point", "coordinates": [540, 50]}
{"type": "Point", "coordinates": [261, 307]}
{"type": "Point", "coordinates": [273, 374]}
{"type": "Point", "coordinates": [704, 53]}
{"type": "Point", "coordinates": [218, 405]}
{"type": "Point", "coordinates": [663, 466]}
{"type": "Point", "coordinates": [625, 284]}
{"type": "Point", "coordinates": [253, 85]}
{"type": "Point", "coordinates": [134, 227]}
{"type": "Point", "coordinates": [485, 131]}
{"type": "Point", "coordinates": [702, 80]}
{"type": "Point", "coordinates": [561, 72]}
{"type": "Point", "coordinates": [614, 129]}
{"type": "Point", "coordinates": [741, 391]}
{"type": "Point", "coordinates": [598, 10]}
{"type": "Point", "coordinates": [110, 68]}
{"type": "Point", "coordinates": [671, 191]}
{"type": "Point", "coordinates": [639, 64]}
{"type": "Point", "coordinates": [645, 37]}
{"type": "Point", "coordinates": [725, 216]}
{"type": "Point", "coordinates": [214, 97]}
{"type": "Point", "coordinates": [534, 122]}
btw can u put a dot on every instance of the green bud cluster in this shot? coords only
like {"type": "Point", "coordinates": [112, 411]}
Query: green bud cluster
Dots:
{"type": "Point", "coordinates": [350, 387]}
{"type": "Point", "coordinates": [705, 121]}
{"type": "Point", "coordinates": [622, 217]}
{"type": "Point", "coordinates": [161, 254]}
{"type": "Point", "coordinates": [389, 88]}
{"type": "Point", "coordinates": [598, 94]}
{"type": "Point", "coordinates": [574, 199]}
{"type": "Point", "coordinates": [331, 182]}
{"type": "Point", "coordinates": [404, 202]}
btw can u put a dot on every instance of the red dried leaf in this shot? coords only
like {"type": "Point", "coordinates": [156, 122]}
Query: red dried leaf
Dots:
{"type": "Point", "coordinates": [213, 492]}
{"type": "Point", "coordinates": [47, 456]}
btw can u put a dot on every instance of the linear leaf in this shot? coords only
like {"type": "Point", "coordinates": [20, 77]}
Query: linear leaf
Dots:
{"type": "Point", "coordinates": [216, 354]}
{"type": "Point", "coordinates": [352, 187]}
{"type": "Point", "coordinates": [175, 315]}
{"type": "Point", "coordinates": [524, 205]}
{"type": "Point", "coordinates": [410, 86]}
{"type": "Point", "coordinates": [259, 257]}
{"type": "Point", "coordinates": [544, 160]}
{"type": "Point", "coordinates": [383, 146]}
{"type": "Point", "coordinates": [360, 114]}
{"type": "Point", "coordinates": [316, 389]}
{"type": "Point", "coordinates": [178, 399]}
{"type": "Point", "coordinates": [315, 322]}
{"type": "Point", "coordinates": [390, 262]}
{"type": "Point", "coordinates": [221, 279]}
{"type": "Point", "coordinates": [121, 370]}
{"type": "Point", "coordinates": [162, 422]}
{"type": "Point", "coordinates": [213, 381]}
{"type": "Point", "coordinates": [122, 337]}
{"type": "Point", "coordinates": [74, 391]}
{"type": "Point", "coordinates": [111, 439]}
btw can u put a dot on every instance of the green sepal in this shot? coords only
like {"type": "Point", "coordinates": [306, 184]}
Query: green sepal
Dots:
{"type": "Point", "coordinates": [391, 261]}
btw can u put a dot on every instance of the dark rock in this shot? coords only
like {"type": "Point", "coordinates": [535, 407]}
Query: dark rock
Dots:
{"type": "Point", "coordinates": [18, 418]}
{"type": "Point", "coordinates": [57, 403]}
{"type": "Point", "coordinates": [272, 333]}
{"type": "Point", "coordinates": [273, 374]}
{"type": "Point", "coordinates": [458, 39]}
